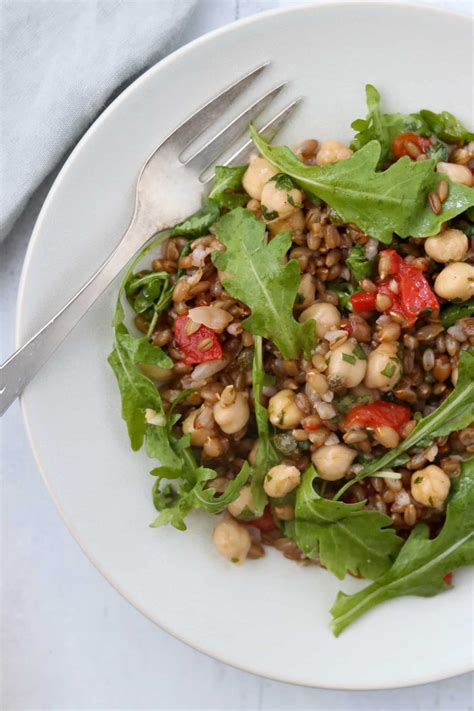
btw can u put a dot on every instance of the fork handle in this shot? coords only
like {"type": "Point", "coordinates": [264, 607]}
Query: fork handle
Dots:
{"type": "Point", "coordinates": [22, 366]}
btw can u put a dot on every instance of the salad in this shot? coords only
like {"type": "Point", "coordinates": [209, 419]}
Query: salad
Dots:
{"type": "Point", "coordinates": [299, 356]}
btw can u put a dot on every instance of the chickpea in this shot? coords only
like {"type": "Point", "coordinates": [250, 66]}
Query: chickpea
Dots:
{"type": "Point", "coordinates": [333, 461]}
{"type": "Point", "coordinates": [257, 174]}
{"type": "Point", "coordinates": [456, 281]}
{"type": "Point", "coordinates": [326, 316]}
{"type": "Point", "coordinates": [244, 503]}
{"type": "Point", "coordinates": [231, 411]}
{"type": "Point", "coordinates": [281, 201]}
{"type": "Point", "coordinates": [232, 540]}
{"type": "Point", "coordinates": [280, 480]}
{"type": "Point", "coordinates": [384, 369]}
{"type": "Point", "coordinates": [199, 435]}
{"type": "Point", "coordinates": [430, 486]}
{"type": "Point", "coordinates": [347, 364]}
{"type": "Point", "coordinates": [331, 152]}
{"type": "Point", "coordinates": [457, 173]}
{"type": "Point", "coordinates": [294, 223]}
{"type": "Point", "coordinates": [306, 290]}
{"type": "Point", "coordinates": [283, 411]}
{"type": "Point", "coordinates": [449, 246]}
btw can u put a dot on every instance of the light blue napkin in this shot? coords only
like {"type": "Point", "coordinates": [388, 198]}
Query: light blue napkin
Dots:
{"type": "Point", "coordinates": [61, 62]}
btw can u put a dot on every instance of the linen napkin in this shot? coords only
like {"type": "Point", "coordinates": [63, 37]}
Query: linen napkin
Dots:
{"type": "Point", "coordinates": [61, 61]}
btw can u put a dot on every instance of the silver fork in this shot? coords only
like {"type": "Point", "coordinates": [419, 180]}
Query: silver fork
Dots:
{"type": "Point", "coordinates": [170, 187]}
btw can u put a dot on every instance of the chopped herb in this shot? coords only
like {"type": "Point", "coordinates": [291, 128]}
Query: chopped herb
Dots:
{"type": "Point", "coordinates": [349, 358]}
{"type": "Point", "coordinates": [359, 352]}
{"type": "Point", "coordinates": [297, 205]}
{"type": "Point", "coordinates": [269, 215]}
{"type": "Point", "coordinates": [418, 480]}
{"type": "Point", "coordinates": [283, 181]}
{"type": "Point", "coordinates": [389, 370]}
{"type": "Point", "coordinates": [359, 265]}
{"type": "Point", "coordinates": [285, 443]}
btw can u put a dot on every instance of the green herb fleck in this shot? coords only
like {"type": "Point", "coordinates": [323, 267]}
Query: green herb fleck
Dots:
{"type": "Point", "coordinates": [389, 370]}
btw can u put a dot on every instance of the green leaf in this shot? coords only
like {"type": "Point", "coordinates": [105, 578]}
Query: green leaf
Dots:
{"type": "Point", "coordinates": [137, 391]}
{"type": "Point", "coordinates": [173, 506]}
{"type": "Point", "coordinates": [379, 203]}
{"type": "Point", "coordinates": [206, 497]}
{"type": "Point", "coordinates": [451, 314]}
{"type": "Point", "coordinates": [455, 413]}
{"type": "Point", "coordinates": [360, 266]}
{"type": "Point", "coordinates": [149, 290]}
{"type": "Point", "coordinates": [383, 127]}
{"type": "Point", "coordinates": [345, 537]}
{"type": "Point", "coordinates": [446, 126]}
{"type": "Point", "coordinates": [199, 223]}
{"type": "Point", "coordinates": [227, 188]}
{"type": "Point", "coordinates": [258, 277]}
{"type": "Point", "coordinates": [422, 563]}
{"type": "Point", "coordinates": [266, 456]}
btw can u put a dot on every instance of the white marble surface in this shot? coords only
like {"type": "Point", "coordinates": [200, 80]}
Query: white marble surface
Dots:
{"type": "Point", "coordinates": [69, 641]}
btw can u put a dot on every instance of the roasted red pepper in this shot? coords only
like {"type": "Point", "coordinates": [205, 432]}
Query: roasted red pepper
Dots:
{"type": "Point", "coordinates": [401, 145]}
{"type": "Point", "coordinates": [362, 302]}
{"type": "Point", "coordinates": [376, 414]}
{"type": "Point", "coordinates": [197, 346]}
{"type": "Point", "coordinates": [407, 287]}
{"type": "Point", "coordinates": [265, 522]}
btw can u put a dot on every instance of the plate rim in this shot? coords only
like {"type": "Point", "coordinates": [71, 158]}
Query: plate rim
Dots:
{"type": "Point", "coordinates": [411, 5]}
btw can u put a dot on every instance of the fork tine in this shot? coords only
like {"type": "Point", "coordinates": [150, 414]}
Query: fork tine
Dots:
{"type": "Point", "coordinates": [205, 156]}
{"type": "Point", "coordinates": [210, 112]}
{"type": "Point", "coordinates": [268, 132]}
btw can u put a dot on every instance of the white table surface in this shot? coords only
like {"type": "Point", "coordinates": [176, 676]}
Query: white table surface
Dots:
{"type": "Point", "coordinates": [69, 641]}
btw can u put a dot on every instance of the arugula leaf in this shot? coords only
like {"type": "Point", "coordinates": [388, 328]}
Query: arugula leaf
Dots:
{"type": "Point", "coordinates": [174, 505]}
{"type": "Point", "coordinates": [152, 289]}
{"type": "Point", "coordinates": [206, 498]}
{"type": "Point", "coordinates": [360, 266]}
{"type": "Point", "coordinates": [453, 313]}
{"type": "Point", "coordinates": [446, 126]}
{"type": "Point", "coordinates": [199, 223]}
{"type": "Point", "coordinates": [454, 413]}
{"type": "Point", "coordinates": [266, 456]}
{"type": "Point", "coordinates": [258, 277]}
{"type": "Point", "coordinates": [379, 203]}
{"type": "Point", "coordinates": [346, 537]}
{"type": "Point", "coordinates": [422, 563]}
{"type": "Point", "coordinates": [227, 188]}
{"type": "Point", "coordinates": [383, 127]}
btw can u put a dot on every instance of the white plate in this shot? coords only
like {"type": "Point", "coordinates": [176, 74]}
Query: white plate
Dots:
{"type": "Point", "coordinates": [269, 617]}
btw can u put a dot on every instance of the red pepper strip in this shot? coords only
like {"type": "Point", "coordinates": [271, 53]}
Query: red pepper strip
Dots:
{"type": "Point", "coordinates": [311, 427]}
{"type": "Point", "coordinates": [376, 414]}
{"type": "Point", "coordinates": [362, 302]}
{"type": "Point", "coordinates": [400, 147]}
{"type": "Point", "coordinates": [265, 522]}
{"type": "Point", "coordinates": [198, 347]}
{"type": "Point", "coordinates": [412, 293]}
{"type": "Point", "coordinates": [448, 579]}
